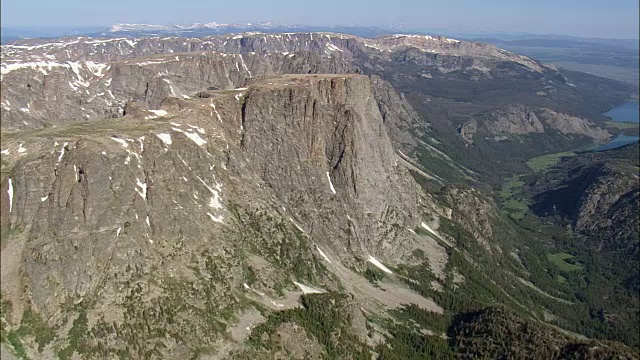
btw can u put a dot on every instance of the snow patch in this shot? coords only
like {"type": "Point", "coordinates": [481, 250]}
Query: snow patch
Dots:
{"type": "Point", "coordinates": [379, 265]}
{"type": "Point", "coordinates": [217, 219]}
{"type": "Point", "coordinates": [166, 138]}
{"type": "Point", "coordinates": [141, 139]}
{"type": "Point", "coordinates": [96, 68]}
{"type": "Point", "coordinates": [5, 152]}
{"type": "Point", "coordinates": [44, 198]}
{"type": "Point", "coordinates": [21, 149]}
{"type": "Point", "coordinates": [120, 141]}
{"type": "Point", "coordinates": [195, 137]}
{"type": "Point", "coordinates": [160, 112]}
{"type": "Point", "coordinates": [143, 189]}
{"type": "Point", "coordinates": [147, 221]}
{"type": "Point", "coordinates": [308, 289]}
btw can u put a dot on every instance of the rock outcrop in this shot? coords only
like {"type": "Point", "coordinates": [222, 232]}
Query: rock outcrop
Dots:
{"type": "Point", "coordinates": [201, 201]}
{"type": "Point", "coordinates": [597, 194]}
{"type": "Point", "coordinates": [520, 120]}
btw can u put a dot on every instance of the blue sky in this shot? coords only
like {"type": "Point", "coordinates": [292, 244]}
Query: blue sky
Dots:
{"type": "Point", "coordinates": [609, 19]}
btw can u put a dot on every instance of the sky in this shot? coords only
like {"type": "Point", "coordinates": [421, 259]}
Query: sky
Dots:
{"type": "Point", "coordinates": [587, 18]}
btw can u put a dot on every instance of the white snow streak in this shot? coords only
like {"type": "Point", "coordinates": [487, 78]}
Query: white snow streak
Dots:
{"type": "Point", "coordinates": [323, 254]}
{"type": "Point", "coordinates": [141, 139]}
{"type": "Point", "coordinates": [44, 198]}
{"type": "Point", "coordinates": [333, 190]}
{"type": "Point", "coordinates": [378, 264]}
{"type": "Point", "coordinates": [10, 192]}
{"type": "Point", "coordinates": [195, 138]}
{"type": "Point", "coordinates": [21, 149]}
{"type": "Point", "coordinates": [143, 189]}
{"type": "Point", "coordinates": [431, 230]}
{"type": "Point", "coordinates": [216, 111]}
{"type": "Point", "coordinates": [308, 289]}
{"type": "Point", "coordinates": [295, 224]}
{"type": "Point", "coordinates": [62, 152]}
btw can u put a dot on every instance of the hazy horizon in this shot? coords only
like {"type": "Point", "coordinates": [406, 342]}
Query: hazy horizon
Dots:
{"type": "Point", "coordinates": [596, 19]}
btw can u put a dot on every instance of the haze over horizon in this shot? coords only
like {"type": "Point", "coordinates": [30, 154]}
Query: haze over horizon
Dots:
{"type": "Point", "coordinates": [565, 17]}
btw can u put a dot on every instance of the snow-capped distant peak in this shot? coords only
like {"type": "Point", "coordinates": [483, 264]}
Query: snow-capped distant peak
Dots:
{"type": "Point", "coordinates": [136, 27]}
{"type": "Point", "coordinates": [197, 26]}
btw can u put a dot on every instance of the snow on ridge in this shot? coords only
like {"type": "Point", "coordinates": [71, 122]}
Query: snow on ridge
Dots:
{"type": "Point", "coordinates": [40, 65]}
{"type": "Point", "coordinates": [333, 190]}
{"type": "Point", "coordinates": [379, 265]}
{"type": "Point", "coordinates": [332, 47]}
{"type": "Point", "coordinates": [157, 113]}
{"type": "Point", "coordinates": [96, 68]}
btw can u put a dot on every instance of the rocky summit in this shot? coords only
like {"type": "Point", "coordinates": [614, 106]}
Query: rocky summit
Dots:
{"type": "Point", "coordinates": [293, 195]}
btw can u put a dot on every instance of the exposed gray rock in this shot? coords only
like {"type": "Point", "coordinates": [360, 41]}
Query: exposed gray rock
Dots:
{"type": "Point", "coordinates": [46, 83]}
{"type": "Point", "coordinates": [154, 218]}
{"type": "Point", "coordinates": [518, 119]}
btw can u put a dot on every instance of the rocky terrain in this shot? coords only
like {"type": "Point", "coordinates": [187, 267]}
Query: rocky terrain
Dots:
{"type": "Point", "coordinates": [519, 120]}
{"type": "Point", "coordinates": [270, 195]}
{"type": "Point", "coordinates": [597, 194]}
{"type": "Point", "coordinates": [269, 187]}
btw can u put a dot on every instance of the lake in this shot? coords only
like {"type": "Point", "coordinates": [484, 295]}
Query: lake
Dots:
{"type": "Point", "coordinates": [627, 112]}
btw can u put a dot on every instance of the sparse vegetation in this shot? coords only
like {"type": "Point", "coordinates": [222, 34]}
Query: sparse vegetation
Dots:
{"type": "Point", "coordinates": [564, 261]}
{"type": "Point", "coordinates": [541, 163]}
{"type": "Point", "coordinates": [327, 317]}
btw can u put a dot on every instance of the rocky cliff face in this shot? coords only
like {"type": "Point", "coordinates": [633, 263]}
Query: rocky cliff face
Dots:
{"type": "Point", "coordinates": [521, 120]}
{"type": "Point", "coordinates": [207, 203]}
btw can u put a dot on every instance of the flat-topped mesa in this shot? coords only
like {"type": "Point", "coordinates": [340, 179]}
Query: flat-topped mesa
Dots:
{"type": "Point", "coordinates": [319, 141]}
